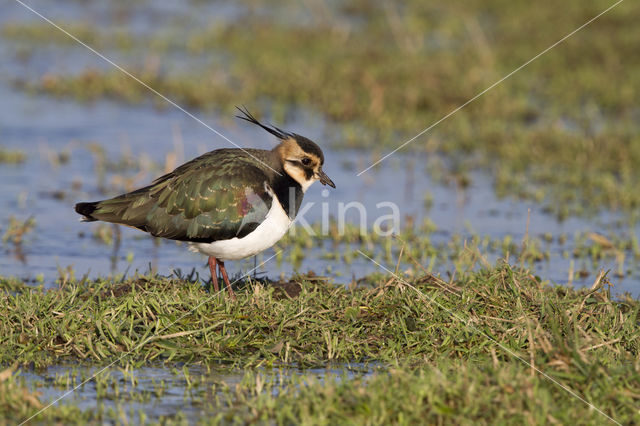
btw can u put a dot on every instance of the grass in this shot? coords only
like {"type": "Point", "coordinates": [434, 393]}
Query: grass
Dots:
{"type": "Point", "coordinates": [447, 391]}
{"type": "Point", "coordinates": [417, 247]}
{"type": "Point", "coordinates": [440, 347]}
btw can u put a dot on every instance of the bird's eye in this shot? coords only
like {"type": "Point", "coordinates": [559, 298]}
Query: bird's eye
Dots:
{"type": "Point", "coordinates": [306, 161]}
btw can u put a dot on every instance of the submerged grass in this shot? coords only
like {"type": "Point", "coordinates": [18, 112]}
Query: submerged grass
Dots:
{"type": "Point", "coordinates": [448, 366]}
{"type": "Point", "coordinates": [444, 392]}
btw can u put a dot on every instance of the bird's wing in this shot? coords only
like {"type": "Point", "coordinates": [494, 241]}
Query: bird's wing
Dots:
{"type": "Point", "coordinates": [220, 195]}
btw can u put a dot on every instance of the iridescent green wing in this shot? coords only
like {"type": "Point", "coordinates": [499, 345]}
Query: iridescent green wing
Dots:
{"type": "Point", "coordinates": [217, 196]}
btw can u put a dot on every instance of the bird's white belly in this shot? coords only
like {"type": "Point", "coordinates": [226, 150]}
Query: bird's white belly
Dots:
{"type": "Point", "coordinates": [269, 232]}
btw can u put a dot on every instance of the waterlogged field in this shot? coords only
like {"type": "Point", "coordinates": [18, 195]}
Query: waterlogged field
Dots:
{"type": "Point", "coordinates": [486, 272]}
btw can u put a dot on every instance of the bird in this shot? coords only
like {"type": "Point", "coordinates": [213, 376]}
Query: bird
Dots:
{"type": "Point", "coordinates": [227, 204]}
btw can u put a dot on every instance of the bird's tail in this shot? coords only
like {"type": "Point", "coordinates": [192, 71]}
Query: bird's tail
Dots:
{"type": "Point", "coordinates": [86, 209]}
{"type": "Point", "coordinates": [129, 209]}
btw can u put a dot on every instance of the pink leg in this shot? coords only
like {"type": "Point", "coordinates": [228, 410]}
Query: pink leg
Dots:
{"type": "Point", "coordinates": [214, 273]}
{"type": "Point", "coordinates": [226, 279]}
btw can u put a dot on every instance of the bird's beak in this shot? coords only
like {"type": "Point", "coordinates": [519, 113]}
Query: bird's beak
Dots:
{"type": "Point", "coordinates": [324, 179]}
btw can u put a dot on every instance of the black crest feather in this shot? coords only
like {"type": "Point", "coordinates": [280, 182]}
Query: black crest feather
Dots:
{"type": "Point", "coordinates": [275, 131]}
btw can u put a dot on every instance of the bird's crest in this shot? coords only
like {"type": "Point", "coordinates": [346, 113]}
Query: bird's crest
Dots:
{"type": "Point", "coordinates": [275, 131]}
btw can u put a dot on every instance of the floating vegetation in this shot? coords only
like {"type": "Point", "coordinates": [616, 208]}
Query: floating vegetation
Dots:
{"type": "Point", "coordinates": [418, 243]}
{"type": "Point", "coordinates": [8, 156]}
{"type": "Point", "coordinates": [17, 229]}
{"type": "Point", "coordinates": [106, 233]}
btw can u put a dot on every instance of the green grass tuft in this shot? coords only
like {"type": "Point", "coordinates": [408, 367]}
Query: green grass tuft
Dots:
{"type": "Point", "coordinates": [447, 334]}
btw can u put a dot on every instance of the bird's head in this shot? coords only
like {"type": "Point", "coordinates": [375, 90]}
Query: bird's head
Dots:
{"type": "Point", "coordinates": [301, 158]}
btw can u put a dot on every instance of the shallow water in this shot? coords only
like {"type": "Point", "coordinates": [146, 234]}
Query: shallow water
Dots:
{"type": "Point", "coordinates": [180, 391]}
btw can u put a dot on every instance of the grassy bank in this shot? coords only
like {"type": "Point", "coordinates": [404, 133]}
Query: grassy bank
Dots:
{"type": "Point", "coordinates": [450, 346]}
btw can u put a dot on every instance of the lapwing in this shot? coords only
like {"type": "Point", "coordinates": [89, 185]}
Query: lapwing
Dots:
{"type": "Point", "coordinates": [228, 204]}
